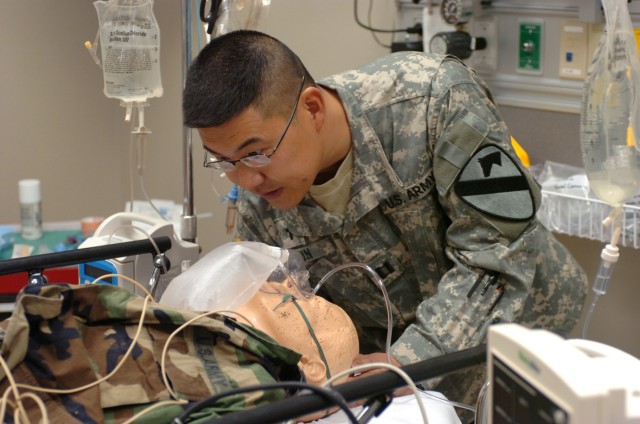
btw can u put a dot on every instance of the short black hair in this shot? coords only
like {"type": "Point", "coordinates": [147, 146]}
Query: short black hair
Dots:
{"type": "Point", "coordinates": [237, 70]}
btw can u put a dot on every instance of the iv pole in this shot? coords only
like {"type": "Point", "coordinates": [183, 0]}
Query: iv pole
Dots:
{"type": "Point", "coordinates": [189, 224]}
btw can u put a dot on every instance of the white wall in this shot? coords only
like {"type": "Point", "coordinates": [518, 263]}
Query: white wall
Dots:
{"type": "Point", "coordinates": [57, 125]}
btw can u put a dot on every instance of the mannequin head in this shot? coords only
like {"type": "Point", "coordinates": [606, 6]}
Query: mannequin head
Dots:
{"type": "Point", "coordinates": [283, 321]}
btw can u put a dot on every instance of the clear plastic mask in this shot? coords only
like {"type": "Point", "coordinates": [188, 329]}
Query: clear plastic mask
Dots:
{"type": "Point", "coordinates": [291, 271]}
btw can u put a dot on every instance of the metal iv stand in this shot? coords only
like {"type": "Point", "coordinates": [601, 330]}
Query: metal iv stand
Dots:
{"type": "Point", "coordinates": [189, 224]}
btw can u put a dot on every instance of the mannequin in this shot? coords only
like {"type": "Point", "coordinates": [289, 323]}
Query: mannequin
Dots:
{"type": "Point", "coordinates": [284, 322]}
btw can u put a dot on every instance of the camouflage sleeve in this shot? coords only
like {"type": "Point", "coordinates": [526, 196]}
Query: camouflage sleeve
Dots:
{"type": "Point", "coordinates": [492, 235]}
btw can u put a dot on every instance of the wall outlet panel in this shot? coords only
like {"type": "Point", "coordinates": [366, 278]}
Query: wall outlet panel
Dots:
{"type": "Point", "coordinates": [487, 59]}
{"type": "Point", "coordinates": [547, 86]}
{"type": "Point", "coordinates": [574, 41]}
{"type": "Point", "coordinates": [530, 46]}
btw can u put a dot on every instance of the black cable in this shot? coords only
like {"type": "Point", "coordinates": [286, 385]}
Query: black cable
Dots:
{"type": "Point", "coordinates": [355, 15]}
{"type": "Point", "coordinates": [212, 16]}
{"type": "Point", "coordinates": [373, 34]}
{"type": "Point", "coordinates": [330, 395]}
{"type": "Point", "coordinates": [362, 388]}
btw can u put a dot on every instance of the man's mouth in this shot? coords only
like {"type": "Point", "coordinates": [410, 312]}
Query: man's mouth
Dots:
{"type": "Point", "coordinates": [269, 195]}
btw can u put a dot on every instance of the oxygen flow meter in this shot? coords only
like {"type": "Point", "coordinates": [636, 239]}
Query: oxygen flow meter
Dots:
{"type": "Point", "coordinates": [457, 43]}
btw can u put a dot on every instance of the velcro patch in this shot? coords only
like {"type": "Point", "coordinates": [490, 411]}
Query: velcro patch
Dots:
{"type": "Point", "coordinates": [493, 183]}
{"type": "Point", "coordinates": [317, 249]}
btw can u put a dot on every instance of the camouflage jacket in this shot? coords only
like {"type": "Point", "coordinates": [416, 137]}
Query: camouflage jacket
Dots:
{"type": "Point", "coordinates": [440, 206]}
{"type": "Point", "coordinates": [65, 337]}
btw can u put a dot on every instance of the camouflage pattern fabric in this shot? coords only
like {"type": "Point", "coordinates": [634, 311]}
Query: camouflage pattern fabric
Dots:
{"type": "Point", "coordinates": [65, 337]}
{"type": "Point", "coordinates": [417, 121]}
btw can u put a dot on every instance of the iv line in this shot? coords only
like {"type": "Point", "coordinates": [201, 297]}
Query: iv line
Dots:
{"type": "Point", "coordinates": [609, 257]}
{"type": "Point", "coordinates": [378, 281]}
{"type": "Point", "coordinates": [138, 139]}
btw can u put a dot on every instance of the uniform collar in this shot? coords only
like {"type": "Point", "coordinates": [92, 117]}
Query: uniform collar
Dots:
{"type": "Point", "coordinates": [374, 180]}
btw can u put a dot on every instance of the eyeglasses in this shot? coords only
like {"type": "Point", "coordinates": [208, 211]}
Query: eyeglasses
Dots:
{"type": "Point", "coordinates": [255, 159]}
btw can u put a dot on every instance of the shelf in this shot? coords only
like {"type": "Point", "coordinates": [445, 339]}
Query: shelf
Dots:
{"type": "Point", "coordinates": [569, 207]}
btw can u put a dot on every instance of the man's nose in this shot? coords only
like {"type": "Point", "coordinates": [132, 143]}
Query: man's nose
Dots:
{"type": "Point", "coordinates": [247, 177]}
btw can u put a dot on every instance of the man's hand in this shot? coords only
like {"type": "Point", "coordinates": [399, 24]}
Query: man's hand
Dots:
{"type": "Point", "coordinates": [377, 357]}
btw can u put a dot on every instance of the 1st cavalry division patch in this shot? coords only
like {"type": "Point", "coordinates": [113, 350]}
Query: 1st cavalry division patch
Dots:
{"type": "Point", "coordinates": [493, 183]}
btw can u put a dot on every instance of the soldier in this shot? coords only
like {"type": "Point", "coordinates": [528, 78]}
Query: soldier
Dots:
{"type": "Point", "coordinates": [404, 164]}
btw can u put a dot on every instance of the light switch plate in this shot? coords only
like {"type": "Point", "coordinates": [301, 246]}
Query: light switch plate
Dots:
{"type": "Point", "coordinates": [574, 39]}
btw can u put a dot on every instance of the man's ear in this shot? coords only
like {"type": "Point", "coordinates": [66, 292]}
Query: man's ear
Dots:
{"type": "Point", "coordinates": [314, 370]}
{"type": "Point", "coordinates": [315, 373]}
{"type": "Point", "coordinates": [314, 104]}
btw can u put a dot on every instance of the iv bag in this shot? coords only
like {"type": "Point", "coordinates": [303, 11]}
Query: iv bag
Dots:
{"type": "Point", "coordinates": [241, 14]}
{"type": "Point", "coordinates": [609, 122]}
{"type": "Point", "coordinates": [130, 47]}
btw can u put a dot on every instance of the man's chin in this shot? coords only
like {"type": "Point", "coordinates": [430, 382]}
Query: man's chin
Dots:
{"type": "Point", "coordinates": [283, 206]}
{"type": "Point", "coordinates": [279, 200]}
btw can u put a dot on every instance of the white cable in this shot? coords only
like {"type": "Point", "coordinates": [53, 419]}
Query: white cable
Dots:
{"type": "Point", "coordinates": [402, 374]}
{"type": "Point", "coordinates": [124, 277]}
{"type": "Point", "coordinates": [134, 341]}
{"type": "Point", "coordinates": [479, 415]}
{"type": "Point", "coordinates": [151, 408]}
{"type": "Point", "coordinates": [380, 284]}
{"type": "Point", "coordinates": [172, 335]}
{"type": "Point", "coordinates": [13, 386]}
{"type": "Point", "coordinates": [449, 402]}
{"type": "Point", "coordinates": [41, 407]}
{"type": "Point", "coordinates": [146, 234]}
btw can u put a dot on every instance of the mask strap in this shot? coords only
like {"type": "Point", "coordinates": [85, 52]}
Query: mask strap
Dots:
{"type": "Point", "coordinates": [291, 297]}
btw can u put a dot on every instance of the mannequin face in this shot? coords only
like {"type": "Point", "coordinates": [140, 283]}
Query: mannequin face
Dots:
{"type": "Point", "coordinates": [332, 326]}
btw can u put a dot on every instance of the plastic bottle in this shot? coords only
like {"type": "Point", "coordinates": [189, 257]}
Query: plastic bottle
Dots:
{"type": "Point", "coordinates": [30, 209]}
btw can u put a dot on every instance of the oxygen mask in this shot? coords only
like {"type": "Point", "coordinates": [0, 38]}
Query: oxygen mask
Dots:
{"type": "Point", "coordinates": [292, 273]}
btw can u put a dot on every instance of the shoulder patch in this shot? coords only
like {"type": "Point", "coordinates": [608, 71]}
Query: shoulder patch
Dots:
{"type": "Point", "coordinates": [493, 183]}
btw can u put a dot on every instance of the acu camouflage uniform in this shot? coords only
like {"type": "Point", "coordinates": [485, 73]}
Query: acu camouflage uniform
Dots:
{"type": "Point", "coordinates": [64, 337]}
{"type": "Point", "coordinates": [439, 204]}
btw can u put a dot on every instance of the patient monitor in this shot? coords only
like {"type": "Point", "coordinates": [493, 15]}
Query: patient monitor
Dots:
{"type": "Point", "coordinates": [297, 322]}
{"type": "Point", "coordinates": [538, 377]}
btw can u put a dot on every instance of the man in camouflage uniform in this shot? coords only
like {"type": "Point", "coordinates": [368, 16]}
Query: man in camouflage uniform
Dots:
{"type": "Point", "coordinates": [404, 164]}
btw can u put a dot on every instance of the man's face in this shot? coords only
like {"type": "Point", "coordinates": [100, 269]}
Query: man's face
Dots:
{"type": "Point", "coordinates": [294, 165]}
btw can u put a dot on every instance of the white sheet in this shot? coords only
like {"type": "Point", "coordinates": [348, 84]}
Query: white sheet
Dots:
{"type": "Point", "coordinates": [404, 410]}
